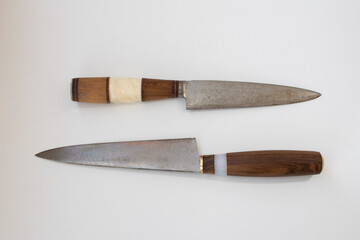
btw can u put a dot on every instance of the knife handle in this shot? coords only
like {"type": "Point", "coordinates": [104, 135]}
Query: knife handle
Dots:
{"type": "Point", "coordinates": [123, 90]}
{"type": "Point", "coordinates": [274, 163]}
{"type": "Point", "coordinates": [266, 163]}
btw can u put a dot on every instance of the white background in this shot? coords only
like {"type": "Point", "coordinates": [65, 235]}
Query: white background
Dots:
{"type": "Point", "coordinates": [307, 44]}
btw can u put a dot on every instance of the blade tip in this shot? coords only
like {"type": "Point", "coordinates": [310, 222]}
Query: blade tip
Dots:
{"type": "Point", "coordinates": [313, 95]}
{"type": "Point", "coordinates": [317, 95]}
{"type": "Point", "coordinates": [41, 155]}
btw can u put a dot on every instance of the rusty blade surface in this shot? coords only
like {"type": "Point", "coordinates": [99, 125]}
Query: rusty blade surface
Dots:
{"type": "Point", "coordinates": [226, 94]}
{"type": "Point", "coordinates": [170, 154]}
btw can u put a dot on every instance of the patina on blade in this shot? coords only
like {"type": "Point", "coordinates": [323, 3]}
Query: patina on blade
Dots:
{"type": "Point", "coordinates": [227, 94]}
{"type": "Point", "coordinates": [171, 154]}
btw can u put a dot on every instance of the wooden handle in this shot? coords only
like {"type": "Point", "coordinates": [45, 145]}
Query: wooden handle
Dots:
{"type": "Point", "coordinates": [122, 90]}
{"type": "Point", "coordinates": [156, 89]}
{"type": "Point", "coordinates": [274, 163]}
{"type": "Point", "coordinates": [208, 164]}
{"type": "Point", "coordinates": [91, 90]}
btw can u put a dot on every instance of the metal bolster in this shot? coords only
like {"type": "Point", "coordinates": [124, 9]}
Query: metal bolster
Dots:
{"type": "Point", "coordinates": [181, 89]}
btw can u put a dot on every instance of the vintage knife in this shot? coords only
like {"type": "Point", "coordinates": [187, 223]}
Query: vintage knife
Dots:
{"type": "Point", "coordinates": [198, 94]}
{"type": "Point", "coordinates": [182, 155]}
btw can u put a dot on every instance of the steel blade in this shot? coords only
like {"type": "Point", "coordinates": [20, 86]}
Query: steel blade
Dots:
{"type": "Point", "coordinates": [170, 154]}
{"type": "Point", "coordinates": [226, 94]}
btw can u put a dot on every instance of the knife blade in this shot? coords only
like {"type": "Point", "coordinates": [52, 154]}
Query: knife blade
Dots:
{"type": "Point", "coordinates": [198, 94]}
{"type": "Point", "coordinates": [182, 155]}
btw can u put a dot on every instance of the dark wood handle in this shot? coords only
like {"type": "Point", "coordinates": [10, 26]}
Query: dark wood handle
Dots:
{"type": "Point", "coordinates": [208, 164]}
{"type": "Point", "coordinates": [274, 163]}
{"type": "Point", "coordinates": [156, 89]}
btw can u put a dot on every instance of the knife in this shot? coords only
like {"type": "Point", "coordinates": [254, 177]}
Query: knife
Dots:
{"type": "Point", "coordinates": [198, 94]}
{"type": "Point", "coordinates": [182, 155]}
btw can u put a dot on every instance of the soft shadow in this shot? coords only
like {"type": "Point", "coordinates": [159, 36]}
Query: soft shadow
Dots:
{"type": "Point", "coordinates": [170, 101]}
{"type": "Point", "coordinates": [197, 176]}
{"type": "Point", "coordinates": [82, 105]}
{"type": "Point", "coordinates": [232, 179]}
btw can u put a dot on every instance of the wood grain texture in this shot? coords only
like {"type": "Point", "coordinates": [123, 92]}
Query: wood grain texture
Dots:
{"type": "Point", "coordinates": [208, 164]}
{"type": "Point", "coordinates": [90, 90]}
{"type": "Point", "coordinates": [274, 163]}
{"type": "Point", "coordinates": [155, 89]}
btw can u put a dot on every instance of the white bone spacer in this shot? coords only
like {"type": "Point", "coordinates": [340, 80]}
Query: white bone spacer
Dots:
{"type": "Point", "coordinates": [124, 90]}
{"type": "Point", "coordinates": [220, 164]}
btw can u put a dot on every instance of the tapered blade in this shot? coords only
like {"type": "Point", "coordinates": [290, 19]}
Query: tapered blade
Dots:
{"type": "Point", "coordinates": [225, 94]}
{"type": "Point", "coordinates": [171, 154]}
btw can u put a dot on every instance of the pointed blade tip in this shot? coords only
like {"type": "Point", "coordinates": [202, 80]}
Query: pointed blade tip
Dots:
{"type": "Point", "coordinates": [303, 95]}
{"type": "Point", "coordinates": [39, 155]}
{"type": "Point", "coordinates": [45, 155]}
{"type": "Point", "coordinates": [314, 95]}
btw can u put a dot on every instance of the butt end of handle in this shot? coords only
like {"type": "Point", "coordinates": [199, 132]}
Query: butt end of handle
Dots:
{"type": "Point", "coordinates": [274, 163]}
{"type": "Point", "coordinates": [90, 90]}
{"type": "Point", "coordinates": [106, 90]}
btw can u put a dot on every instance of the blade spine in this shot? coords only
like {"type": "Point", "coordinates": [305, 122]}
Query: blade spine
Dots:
{"type": "Point", "coordinates": [270, 84]}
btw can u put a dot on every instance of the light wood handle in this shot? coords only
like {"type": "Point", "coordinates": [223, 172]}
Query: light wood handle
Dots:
{"type": "Point", "coordinates": [122, 90]}
{"type": "Point", "coordinates": [274, 163]}
{"type": "Point", "coordinates": [91, 90]}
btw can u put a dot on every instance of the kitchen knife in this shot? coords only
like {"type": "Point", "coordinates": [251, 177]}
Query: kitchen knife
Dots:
{"type": "Point", "coordinates": [198, 94]}
{"type": "Point", "coordinates": [182, 155]}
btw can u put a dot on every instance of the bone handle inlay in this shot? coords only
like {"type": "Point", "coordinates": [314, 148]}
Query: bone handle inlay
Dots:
{"type": "Point", "coordinates": [124, 90]}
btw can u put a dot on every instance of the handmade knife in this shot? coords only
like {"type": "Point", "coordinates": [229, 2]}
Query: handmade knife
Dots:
{"type": "Point", "coordinates": [198, 94]}
{"type": "Point", "coordinates": [182, 155]}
